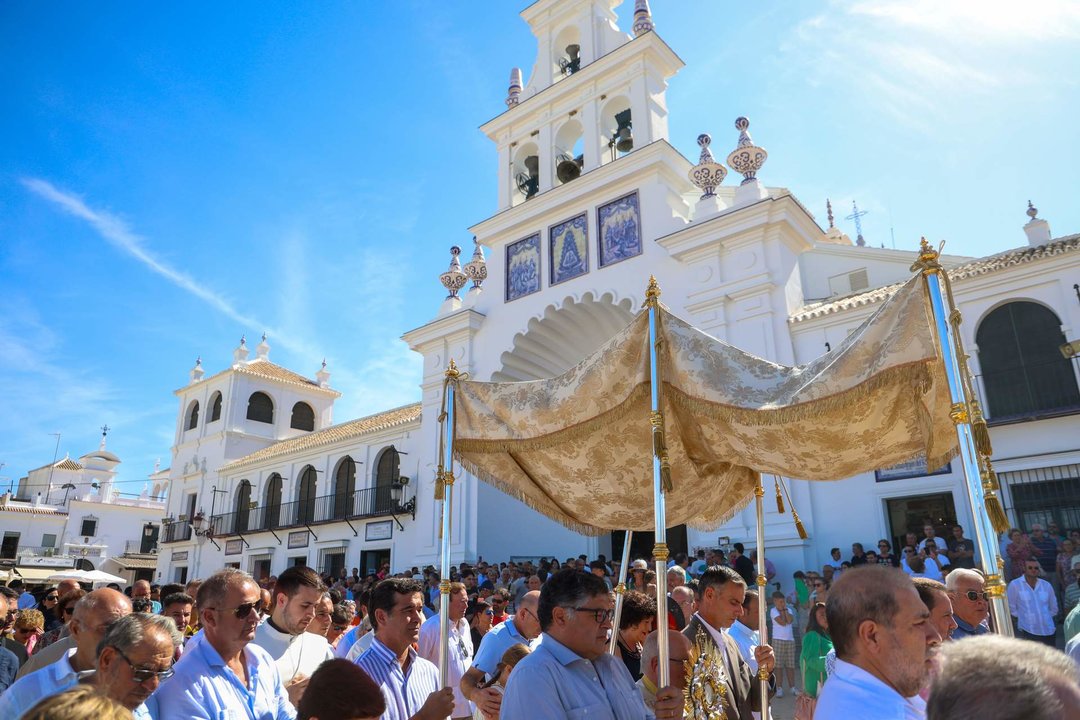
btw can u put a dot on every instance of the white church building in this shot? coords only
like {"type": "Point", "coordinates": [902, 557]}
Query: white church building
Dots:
{"type": "Point", "coordinates": [592, 200]}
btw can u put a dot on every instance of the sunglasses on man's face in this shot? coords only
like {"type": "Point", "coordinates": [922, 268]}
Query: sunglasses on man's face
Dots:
{"type": "Point", "coordinates": [242, 611]}
{"type": "Point", "coordinates": [973, 596]}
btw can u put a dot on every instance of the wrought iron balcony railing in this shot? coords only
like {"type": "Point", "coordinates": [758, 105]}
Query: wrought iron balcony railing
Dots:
{"type": "Point", "coordinates": [370, 502]}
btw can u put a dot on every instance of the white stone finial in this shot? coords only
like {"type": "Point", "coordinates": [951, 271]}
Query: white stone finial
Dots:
{"type": "Point", "coordinates": [262, 350]}
{"type": "Point", "coordinates": [197, 371]}
{"type": "Point", "coordinates": [642, 18]}
{"type": "Point", "coordinates": [1037, 229]}
{"type": "Point", "coordinates": [513, 93]}
{"type": "Point", "coordinates": [240, 354]}
{"type": "Point", "coordinates": [323, 375]}
{"type": "Point", "coordinates": [747, 158]}
{"type": "Point", "coordinates": [707, 174]}
{"type": "Point", "coordinates": [453, 279]}
{"type": "Point", "coordinates": [476, 269]}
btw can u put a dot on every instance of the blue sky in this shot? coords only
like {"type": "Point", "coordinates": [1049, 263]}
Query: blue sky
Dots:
{"type": "Point", "coordinates": [174, 176]}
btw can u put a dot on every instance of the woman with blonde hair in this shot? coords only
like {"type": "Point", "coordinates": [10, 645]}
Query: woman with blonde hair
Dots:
{"type": "Point", "coordinates": [29, 625]}
{"type": "Point", "coordinates": [513, 655]}
{"type": "Point", "coordinates": [82, 702]}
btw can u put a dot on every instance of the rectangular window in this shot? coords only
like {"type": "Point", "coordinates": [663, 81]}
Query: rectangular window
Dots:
{"type": "Point", "coordinates": [48, 540]}
{"type": "Point", "coordinates": [89, 527]}
{"type": "Point", "coordinates": [10, 546]}
{"type": "Point", "coordinates": [180, 575]}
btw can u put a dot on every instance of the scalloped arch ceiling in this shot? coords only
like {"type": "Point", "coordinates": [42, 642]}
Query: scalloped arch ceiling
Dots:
{"type": "Point", "coordinates": [563, 337]}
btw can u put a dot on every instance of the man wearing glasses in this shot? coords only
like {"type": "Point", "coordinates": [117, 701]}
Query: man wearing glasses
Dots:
{"type": "Point", "coordinates": [459, 651]}
{"type": "Point", "coordinates": [93, 615]}
{"type": "Point", "coordinates": [1034, 605]}
{"type": "Point", "coordinates": [225, 675]}
{"type": "Point", "coordinates": [570, 673]}
{"type": "Point", "coordinates": [970, 602]}
{"type": "Point", "coordinates": [136, 656]}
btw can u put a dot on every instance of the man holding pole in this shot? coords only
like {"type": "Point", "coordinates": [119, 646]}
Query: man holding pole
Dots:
{"type": "Point", "coordinates": [570, 674]}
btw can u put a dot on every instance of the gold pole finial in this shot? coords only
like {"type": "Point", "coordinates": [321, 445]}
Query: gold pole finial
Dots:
{"type": "Point", "coordinates": [928, 259]}
{"type": "Point", "coordinates": [652, 292]}
{"type": "Point", "coordinates": [452, 371]}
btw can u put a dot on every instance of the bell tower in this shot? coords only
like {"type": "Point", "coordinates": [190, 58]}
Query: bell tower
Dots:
{"type": "Point", "coordinates": [595, 94]}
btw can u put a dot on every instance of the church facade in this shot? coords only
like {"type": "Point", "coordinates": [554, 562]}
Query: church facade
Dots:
{"type": "Point", "coordinates": [592, 200]}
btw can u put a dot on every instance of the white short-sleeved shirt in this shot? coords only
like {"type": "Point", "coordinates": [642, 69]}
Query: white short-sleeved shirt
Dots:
{"type": "Point", "coordinates": [782, 632]}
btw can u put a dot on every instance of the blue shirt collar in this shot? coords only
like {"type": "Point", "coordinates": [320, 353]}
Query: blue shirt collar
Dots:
{"type": "Point", "coordinates": [559, 651]}
{"type": "Point", "coordinates": [387, 655]}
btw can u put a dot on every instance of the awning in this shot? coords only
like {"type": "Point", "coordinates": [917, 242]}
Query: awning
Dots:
{"type": "Point", "coordinates": [134, 563]}
{"type": "Point", "coordinates": [35, 574]}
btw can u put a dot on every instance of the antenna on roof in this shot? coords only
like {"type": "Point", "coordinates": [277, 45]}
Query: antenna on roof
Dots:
{"type": "Point", "coordinates": [856, 215]}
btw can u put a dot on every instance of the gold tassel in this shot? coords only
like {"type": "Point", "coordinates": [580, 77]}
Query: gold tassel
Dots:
{"type": "Point", "coordinates": [440, 486]}
{"type": "Point", "coordinates": [779, 497]}
{"type": "Point", "coordinates": [980, 431]}
{"type": "Point", "coordinates": [798, 525]}
{"type": "Point", "coordinates": [996, 512]}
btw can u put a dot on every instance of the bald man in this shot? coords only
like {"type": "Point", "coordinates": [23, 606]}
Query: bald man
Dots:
{"type": "Point", "coordinates": [141, 591]}
{"type": "Point", "coordinates": [678, 655]}
{"type": "Point", "coordinates": [523, 627]}
{"type": "Point", "coordinates": [93, 615]}
{"type": "Point", "coordinates": [118, 605]}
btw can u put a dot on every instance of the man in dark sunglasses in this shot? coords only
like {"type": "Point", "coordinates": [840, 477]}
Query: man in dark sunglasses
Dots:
{"type": "Point", "coordinates": [222, 674]}
{"type": "Point", "coordinates": [971, 607]}
{"type": "Point", "coordinates": [136, 656]}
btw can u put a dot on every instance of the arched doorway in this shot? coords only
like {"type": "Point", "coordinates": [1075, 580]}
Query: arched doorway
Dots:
{"type": "Point", "coordinates": [386, 474]}
{"type": "Point", "coordinates": [344, 487]}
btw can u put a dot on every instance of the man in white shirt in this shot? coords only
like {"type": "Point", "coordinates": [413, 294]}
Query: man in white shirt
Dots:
{"type": "Point", "coordinates": [931, 538]}
{"type": "Point", "coordinates": [1033, 603]}
{"type": "Point", "coordinates": [459, 651]}
{"type": "Point", "coordinates": [296, 596]}
{"type": "Point", "coordinates": [884, 644]}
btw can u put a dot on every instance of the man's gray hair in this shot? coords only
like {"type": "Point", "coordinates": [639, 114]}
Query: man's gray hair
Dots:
{"type": "Point", "coordinates": [93, 600]}
{"type": "Point", "coordinates": [130, 631]}
{"type": "Point", "coordinates": [952, 580]}
{"type": "Point", "coordinates": [990, 677]}
{"type": "Point", "coordinates": [214, 589]}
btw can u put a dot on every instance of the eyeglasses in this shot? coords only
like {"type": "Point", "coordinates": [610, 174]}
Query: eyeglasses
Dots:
{"type": "Point", "coordinates": [973, 595]}
{"type": "Point", "coordinates": [489, 613]}
{"type": "Point", "coordinates": [341, 628]}
{"type": "Point", "coordinates": [600, 615]}
{"type": "Point", "coordinates": [141, 675]}
{"type": "Point", "coordinates": [53, 598]}
{"type": "Point", "coordinates": [242, 611]}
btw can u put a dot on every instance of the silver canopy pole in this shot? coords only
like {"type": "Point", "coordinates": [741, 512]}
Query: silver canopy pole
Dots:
{"type": "Point", "coordinates": [661, 478]}
{"type": "Point", "coordinates": [452, 376]}
{"type": "Point", "coordinates": [620, 592]}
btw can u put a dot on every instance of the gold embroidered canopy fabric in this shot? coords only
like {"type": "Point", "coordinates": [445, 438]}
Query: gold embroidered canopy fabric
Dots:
{"type": "Point", "coordinates": [578, 447]}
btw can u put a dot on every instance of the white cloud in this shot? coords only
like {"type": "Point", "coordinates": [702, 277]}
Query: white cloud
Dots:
{"type": "Point", "coordinates": [120, 235]}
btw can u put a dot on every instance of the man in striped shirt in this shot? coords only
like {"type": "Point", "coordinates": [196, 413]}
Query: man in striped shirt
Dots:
{"type": "Point", "coordinates": [409, 683]}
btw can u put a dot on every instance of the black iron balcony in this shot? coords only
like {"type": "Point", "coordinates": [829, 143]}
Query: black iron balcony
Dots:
{"type": "Point", "coordinates": [1031, 392]}
{"type": "Point", "coordinates": [175, 531]}
{"type": "Point", "coordinates": [368, 503]}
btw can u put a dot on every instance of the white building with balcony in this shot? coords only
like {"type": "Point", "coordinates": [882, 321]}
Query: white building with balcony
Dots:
{"type": "Point", "coordinates": [68, 514]}
{"type": "Point", "coordinates": [592, 200]}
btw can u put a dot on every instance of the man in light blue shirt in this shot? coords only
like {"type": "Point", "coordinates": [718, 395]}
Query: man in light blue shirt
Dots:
{"type": "Point", "coordinates": [570, 674]}
{"type": "Point", "coordinates": [523, 628]}
{"type": "Point", "coordinates": [136, 656]}
{"type": "Point", "coordinates": [93, 615]}
{"type": "Point", "coordinates": [225, 676]}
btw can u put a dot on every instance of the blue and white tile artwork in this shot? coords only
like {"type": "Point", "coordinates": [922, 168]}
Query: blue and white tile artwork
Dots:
{"type": "Point", "coordinates": [523, 267]}
{"type": "Point", "coordinates": [569, 249]}
{"type": "Point", "coordinates": [619, 223]}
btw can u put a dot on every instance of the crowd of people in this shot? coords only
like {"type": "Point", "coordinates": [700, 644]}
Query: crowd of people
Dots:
{"type": "Point", "coordinates": [877, 635]}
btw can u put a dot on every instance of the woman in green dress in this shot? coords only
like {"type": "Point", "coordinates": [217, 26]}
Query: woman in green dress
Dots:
{"type": "Point", "coordinates": [816, 645]}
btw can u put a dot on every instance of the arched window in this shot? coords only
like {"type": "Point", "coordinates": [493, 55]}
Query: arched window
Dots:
{"type": "Point", "coordinates": [305, 496]}
{"type": "Point", "coordinates": [1023, 371]}
{"type": "Point", "coordinates": [192, 415]}
{"type": "Point", "coordinates": [272, 504]}
{"type": "Point", "coordinates": [243, 506]}
{"type": "Point", "coordinates": [303, 417]}
{"type": "Point", "coordinates": [260, 408]}
{"type": "Point", "coordinates": [344, 487]}
{"type": "Point", "coordinates": [215, 407]}
{"type": "Point", "coordinates": [386, 474]}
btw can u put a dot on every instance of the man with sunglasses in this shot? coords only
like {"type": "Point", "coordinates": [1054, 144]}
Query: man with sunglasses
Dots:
{"type": "Point", "coordinates": [570, 673]}
{"type": "Point", "coordinates": [459, 651]}
{"type": "Point", "coordinates": [93, 615]}
{"type": "Point", "coordinates": [1034, 605]}
{"type": "Point", "coordinates": [225, 675]}
{"type": "Point", "coordinates": [970, 602]}
{"type": "Point", "coordinates": [136, 656]}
